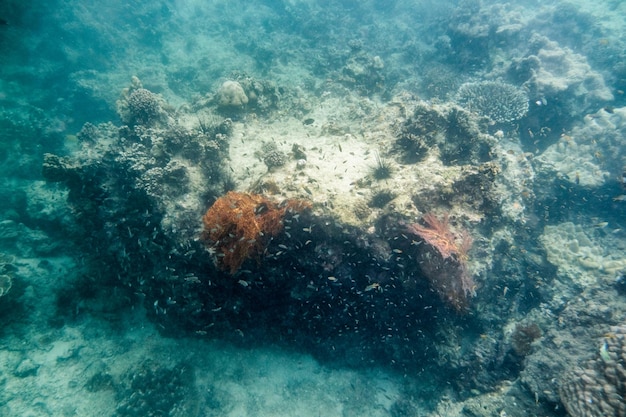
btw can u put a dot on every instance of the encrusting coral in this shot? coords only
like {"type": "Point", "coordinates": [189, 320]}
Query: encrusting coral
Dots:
{"type": "Point", "coordinates": [139, 106]}
{"type": "Point", "coordinates": [598, 388]}
{"type": "Point", "coordinates": [444, 260]}
{"type": "Point", "coordinates": [238, 226]}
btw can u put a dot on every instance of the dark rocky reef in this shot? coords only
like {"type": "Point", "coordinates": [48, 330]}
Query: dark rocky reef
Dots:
{"type": "Point", "coordinates": [348, 295]}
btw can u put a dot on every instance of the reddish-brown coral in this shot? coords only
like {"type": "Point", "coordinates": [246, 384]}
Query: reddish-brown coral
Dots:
{"type": "Point", "coordinates": [443, 260]}
{"type": "Point", "coordinates": [436, 233]}
{"type": "Point", "coordinates": [523, 336]}
{"type": "Point", "coordinates": [238, 225]}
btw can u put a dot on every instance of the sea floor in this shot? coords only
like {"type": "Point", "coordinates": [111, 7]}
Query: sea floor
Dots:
{"type": "Point", "coordinates": [86, 366]}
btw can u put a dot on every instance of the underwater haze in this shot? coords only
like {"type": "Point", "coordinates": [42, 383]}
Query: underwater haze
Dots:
{"type": "Point", "coordinates": [313, 208]}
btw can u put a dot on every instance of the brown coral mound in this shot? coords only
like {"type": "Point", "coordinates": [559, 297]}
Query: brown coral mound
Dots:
{"type": "Point", "coordinates": [238, 226]}
{"type": "Point", "coordinates": [443, 260]}
{"type": "Point", "coordinates": [598, 389]}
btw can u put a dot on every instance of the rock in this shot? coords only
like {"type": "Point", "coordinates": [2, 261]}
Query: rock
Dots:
{"type": "Point", "coordinates": [26, 368]}
{"type": "Point", "coordinates": [231, 94]}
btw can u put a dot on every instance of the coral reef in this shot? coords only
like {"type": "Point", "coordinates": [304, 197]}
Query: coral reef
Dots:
{"type": "Point", "coordinates": [420, 132]}
{"type": "Point", "coordinates": [345, 282]}
{"type": "Point", "coordinates": [238, 226]}
{"type": "Point", "coordinates": [363, 71]}
{"type": "Point", "coordinates": [346, 293]}
{"type": "Point", "coordinates": [264, 96]}
{"type": "Point", "coordinates": [580, 253]}
{"type": "Point", "coordinates": [444, 262]}
{"type": "Point", "coordinates": [242, 92]}
{"type": "Point", "coordinates": [598, 388]}
{"type": "Point", "coordinates": [274, 158]}
{"type": "Point", "coordinates": [143, 106]}
{"type": "Point", "coordinates": [500, 102]}
{"type": "Point", "coordinates": [589, 155]}
{"type": "Point", "coordinates": [571, 321]}
{"type": "Point", "coordinates": [466, 139]}
{"type": "Point", "coordinates": [562, 86]}
{"type": "Point", "coordinates": [550, 69]}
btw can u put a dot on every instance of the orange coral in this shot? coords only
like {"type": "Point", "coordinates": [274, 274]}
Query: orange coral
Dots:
{"type": "Point", "coordinates": [238, 224]}
{"type": "Point", "coordinates": [448, 273]}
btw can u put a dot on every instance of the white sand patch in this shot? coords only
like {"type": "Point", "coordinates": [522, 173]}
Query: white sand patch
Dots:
{"type": "Point", "coordinates": [342, 147]}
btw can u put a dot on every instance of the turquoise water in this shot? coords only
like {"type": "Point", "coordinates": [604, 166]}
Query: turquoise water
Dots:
{"type": "Point", "coordinates": [314, 208]}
